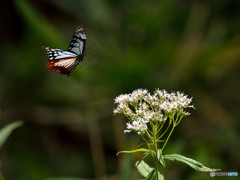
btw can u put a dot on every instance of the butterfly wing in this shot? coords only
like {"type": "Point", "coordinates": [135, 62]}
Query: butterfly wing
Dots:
{"type": "Point", "coordinates": [77, 45]}
{"type": "Point", "coordinates": [61, 61]}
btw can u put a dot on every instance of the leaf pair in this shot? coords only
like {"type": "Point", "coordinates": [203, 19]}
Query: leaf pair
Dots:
{"type": "Point", "coordinates": [152, 174]}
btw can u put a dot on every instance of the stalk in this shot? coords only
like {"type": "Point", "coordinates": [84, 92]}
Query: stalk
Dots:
{"type": "Point", "coordinates": [155, 148]}
{"type": "Point", "coordinates": [169, 134]}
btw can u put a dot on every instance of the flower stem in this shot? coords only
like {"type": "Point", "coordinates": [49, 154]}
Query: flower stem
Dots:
{"type": "Point", "coordinates": [154, 140]}
{"type": "Point", "coordinates": [161, 126]}
{"type": "Point", "coordinates": [169, 136]}
{"type": "Point", "coordinates": [165, 130]}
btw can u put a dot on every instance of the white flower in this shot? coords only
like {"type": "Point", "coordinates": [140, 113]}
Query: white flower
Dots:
{"type": "Point", "coordinates": [123, 98]}
{"type": "Point", "coordinates": [129, 112]}
{"type": "Point", "coordinates": [159, 93]}
{"type": "Point", "coordinates": [137, 95]}
{"type": "Point", "coordinates": [141, 107]}
{"type": "Point", "coordinates": [120, 108]}
{"type": "Point", "coordinates": [183, 100]}
{"type": "Point", "coordinates": [148, 115]}
{"type": "Point", "coordinates": [158, 117]}
{"type": "Point", "coordinates": [139, 125]}
{"type": "Point", "coordinates": [148, 98]}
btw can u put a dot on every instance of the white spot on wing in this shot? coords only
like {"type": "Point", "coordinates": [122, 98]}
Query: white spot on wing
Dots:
{"type": "Point", "coordinates": [64, 62]}
{"type": "Point", "coordinates": [83, 36]}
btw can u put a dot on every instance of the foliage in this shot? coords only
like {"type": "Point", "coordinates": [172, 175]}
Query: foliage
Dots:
{"type": "Point", "coordinates": [7, 130]}
{"type": "Point", "coordinates": [5, 133]}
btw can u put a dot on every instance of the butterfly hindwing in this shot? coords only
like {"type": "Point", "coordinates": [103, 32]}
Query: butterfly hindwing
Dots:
{"type": "Point", "coordinates": [77, 45]}
{"type": "Point", "coordinates": [61, 61]}
{"type": "Point", "coordinates": [63, 66]}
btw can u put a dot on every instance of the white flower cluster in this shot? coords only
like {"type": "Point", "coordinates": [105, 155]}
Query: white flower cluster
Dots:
{"type": "Point", "coordinates": [140, 107]}
{"type": "Point", "coordinates": [139, 125]}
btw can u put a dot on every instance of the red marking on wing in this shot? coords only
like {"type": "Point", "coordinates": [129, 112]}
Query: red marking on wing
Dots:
{"type": "Point", "coordinates": [66, 68]}
{"type": "Point", "coordinates": [52, 67]}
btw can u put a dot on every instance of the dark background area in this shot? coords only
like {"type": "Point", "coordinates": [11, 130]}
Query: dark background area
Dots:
{"type": "Point", "coordinates": [69, 128]}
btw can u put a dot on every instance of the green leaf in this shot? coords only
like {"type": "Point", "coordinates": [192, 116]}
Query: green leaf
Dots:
{"type": "Point", "coordinates": [161, 140]}
{"type": "Point", "coordinates": [133, 151]}
{"type": "Point", "coordinates": [7, 130]}
{"type": "Point", "coordinates": [160, 157]}
{"type": "Point", "coordinates": [148, 172]}
{"type": "Point", "coordinates": [161, 177]}
{"type": "Point", "coordinates": [145, 154]}
{"type": "Point", "coordinates": [194, 164]}
{"type": "Point", "coordinates": [35, 20]}
{"type": "Point", "coordinates": [151, 175]}
{"type": "Point", "coordinates": [143, 168]}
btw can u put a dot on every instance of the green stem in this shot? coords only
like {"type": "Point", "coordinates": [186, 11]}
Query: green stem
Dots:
{"type": "Point", "coordinates": [155, 127]}
{"type": "Point", "coordinates": [170, 122]}
{"type": "Point", "coordinates": [148, 135]}
{"type": "Point", "coordinates": [152, 145]}
{"type": "Point", "coordinates": [146, 143]}
{"type": "Point", "coordinates": [169, 135]}
{"type": "Point", "coordinates": [179, 120]}
{"type": "Point", "coordinates": [161, 127]}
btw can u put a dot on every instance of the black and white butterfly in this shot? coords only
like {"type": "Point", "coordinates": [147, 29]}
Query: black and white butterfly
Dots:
{"type": "Point", "coordinates": [65, 62]}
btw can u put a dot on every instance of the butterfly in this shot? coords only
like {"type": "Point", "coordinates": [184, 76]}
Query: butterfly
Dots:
{"type": "Point", "coordinates": [64, 62]}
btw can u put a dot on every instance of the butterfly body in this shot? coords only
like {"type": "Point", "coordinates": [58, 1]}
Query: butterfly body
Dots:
{"type": "Point", "coordinates": [64, 62]}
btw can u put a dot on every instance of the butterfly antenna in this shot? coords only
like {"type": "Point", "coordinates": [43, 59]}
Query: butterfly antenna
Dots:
{"type": "Point", "coordinates": [90, 46]}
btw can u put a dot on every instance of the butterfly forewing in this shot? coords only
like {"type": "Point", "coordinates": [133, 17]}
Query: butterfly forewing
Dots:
{"type": "Point", "coordinates": [77, 44]}
{"type": "Point", "coordinates": [55, 54]}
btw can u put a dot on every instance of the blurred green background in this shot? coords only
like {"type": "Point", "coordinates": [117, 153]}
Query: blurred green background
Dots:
{"type": "Point", "coordinates": [69, 128]}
